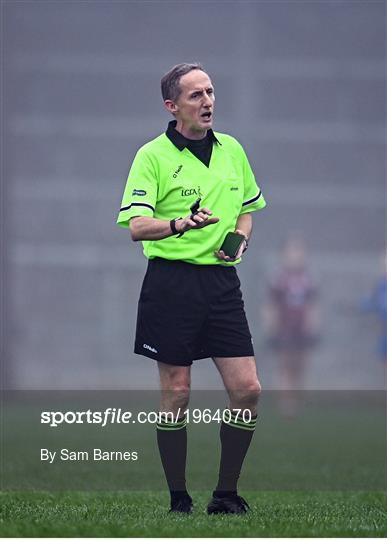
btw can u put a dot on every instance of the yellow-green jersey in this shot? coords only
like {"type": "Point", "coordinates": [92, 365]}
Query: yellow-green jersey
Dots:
{"type": "Point", "coordinates": [165, 180]}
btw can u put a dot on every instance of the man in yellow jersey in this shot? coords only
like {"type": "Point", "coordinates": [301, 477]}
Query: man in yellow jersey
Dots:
{"type": "Point", "coordinates": [185, 191]}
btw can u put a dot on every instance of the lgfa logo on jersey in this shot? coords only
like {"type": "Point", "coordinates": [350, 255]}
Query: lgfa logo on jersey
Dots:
{"type": "Point", "coordinates": [191, 191]}
{"type": "Point", "coordinates": [139, 192]}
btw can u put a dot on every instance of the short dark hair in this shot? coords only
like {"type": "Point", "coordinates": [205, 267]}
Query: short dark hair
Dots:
{"type": "Point", "coordinates": [170, 87]}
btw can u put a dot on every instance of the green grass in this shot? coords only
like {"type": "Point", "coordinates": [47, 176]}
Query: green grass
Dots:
{"type": "Point", "coordinates": [273, 514]}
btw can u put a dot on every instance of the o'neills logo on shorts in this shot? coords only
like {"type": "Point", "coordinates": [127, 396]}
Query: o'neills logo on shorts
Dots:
{"type": "Point", "coordinates": [146, 346]}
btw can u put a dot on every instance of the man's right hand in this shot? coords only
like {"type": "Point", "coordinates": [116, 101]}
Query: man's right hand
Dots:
{"type": "Point", "coordinates": [196, 221]}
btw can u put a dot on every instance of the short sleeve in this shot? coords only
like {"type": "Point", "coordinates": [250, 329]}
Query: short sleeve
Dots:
{"type": "Point", "coordinates": [140, 192]}
{"type": "Point", "coordinates": [252, 196]}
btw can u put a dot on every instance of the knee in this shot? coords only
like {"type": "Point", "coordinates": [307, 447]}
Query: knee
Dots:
{"type": "Point", "coordinates": [176, 397]}
{"type": "Point", "coordinates": [248, 396]}
{"type": "Point", "coordinates": [180, 396]}
{"type": "Point", "coordinates": [252, 392]}
{"type": "Point", "coordinates": [175, 387]}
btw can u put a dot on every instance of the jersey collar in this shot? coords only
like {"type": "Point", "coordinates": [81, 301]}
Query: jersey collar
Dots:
{"type": "Point", "coordinates": [179, 140]}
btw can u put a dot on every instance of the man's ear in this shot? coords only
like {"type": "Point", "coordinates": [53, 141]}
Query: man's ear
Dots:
{"type": "Point", "coordinates": [171, 106]}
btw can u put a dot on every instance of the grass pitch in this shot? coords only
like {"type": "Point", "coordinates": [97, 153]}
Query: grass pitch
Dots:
{"type": "Point", "coordinates": [322, 474]}
{"type": "Point", "coordinates": [140, 514]}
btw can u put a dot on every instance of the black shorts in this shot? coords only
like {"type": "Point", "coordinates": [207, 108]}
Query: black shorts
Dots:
{"type": "Point", "coordinates": [187, 312]}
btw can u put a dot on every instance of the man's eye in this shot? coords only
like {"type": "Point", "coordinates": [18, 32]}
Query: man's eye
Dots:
{"type": "Point", "coordinates": [210, 91]}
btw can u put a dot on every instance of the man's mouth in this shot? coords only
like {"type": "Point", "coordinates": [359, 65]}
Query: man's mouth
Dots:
{"type": "Point", "coordinates": [206, 115]}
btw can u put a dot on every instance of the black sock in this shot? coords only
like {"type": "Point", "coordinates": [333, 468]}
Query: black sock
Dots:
{"type": "Point", "coordinates": [235, 437]}
{"type": "Point", "coordinates": [172, 443]}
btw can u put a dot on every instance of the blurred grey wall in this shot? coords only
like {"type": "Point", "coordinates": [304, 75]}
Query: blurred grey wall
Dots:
{"type": "Point", "coordinates": [300, 83]}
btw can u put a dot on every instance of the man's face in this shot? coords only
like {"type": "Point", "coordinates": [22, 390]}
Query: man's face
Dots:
{"type": "Point", "coordinates": [194, 107]}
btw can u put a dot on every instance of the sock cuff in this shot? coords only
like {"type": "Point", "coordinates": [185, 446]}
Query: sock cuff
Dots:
{"type": "Point", "coordinates": [239, 419]}
{"type": "Point", "coordinates": [172, 425]}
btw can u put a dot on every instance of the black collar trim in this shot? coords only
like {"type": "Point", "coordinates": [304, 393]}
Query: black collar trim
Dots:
{"type": "Point", "coordinates": [179, 140]}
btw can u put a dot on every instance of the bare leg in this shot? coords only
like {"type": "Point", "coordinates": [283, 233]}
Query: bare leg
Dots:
{"type": "Point", "coordinates": [175, 383]}
{"type": "Point", "coordinates": [241, 381]}
{"type": "Point", "coordinates": [292, 369]}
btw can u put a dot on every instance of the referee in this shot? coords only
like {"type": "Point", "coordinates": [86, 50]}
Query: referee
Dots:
{"type": "Point", "coordinates": [186, 190]}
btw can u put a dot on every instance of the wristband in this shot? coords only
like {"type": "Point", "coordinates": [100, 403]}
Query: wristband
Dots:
{"type": "Point", "coordinates": [172, 224]}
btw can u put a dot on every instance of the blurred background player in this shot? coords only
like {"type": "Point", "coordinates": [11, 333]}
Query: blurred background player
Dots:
{"type": "Point", "coordinates": [376, 303]}
{"type": "Point", "coordinates": [292, 320]}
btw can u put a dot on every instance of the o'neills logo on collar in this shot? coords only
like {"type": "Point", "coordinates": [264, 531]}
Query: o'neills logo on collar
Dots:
{"type": "Point", "coordinates": [177, 171]}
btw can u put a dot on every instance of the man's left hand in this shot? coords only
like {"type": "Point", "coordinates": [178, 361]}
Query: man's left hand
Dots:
{"type": "Point", "coordinates": [222, 256]}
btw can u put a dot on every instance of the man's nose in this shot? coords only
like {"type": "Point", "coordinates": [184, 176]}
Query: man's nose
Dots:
{"type": "Point", "coordinates": [207, 100]}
